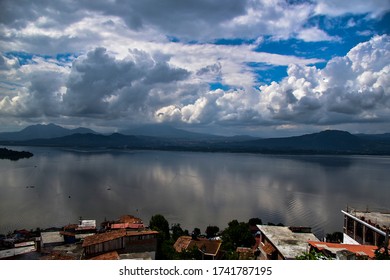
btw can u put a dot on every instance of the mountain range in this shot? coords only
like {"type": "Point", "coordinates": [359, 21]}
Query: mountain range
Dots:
{"type": "Point", "coordinates": [162, 137]}
{"type": "Point", "coordinates": [41, 131]}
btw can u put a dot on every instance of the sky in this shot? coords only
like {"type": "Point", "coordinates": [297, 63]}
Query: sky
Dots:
{"type": "Point", "coordinates": [255, 67]}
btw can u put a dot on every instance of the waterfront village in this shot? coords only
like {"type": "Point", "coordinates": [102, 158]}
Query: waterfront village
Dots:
{"type": "Point", "coordinates": [365, 235]}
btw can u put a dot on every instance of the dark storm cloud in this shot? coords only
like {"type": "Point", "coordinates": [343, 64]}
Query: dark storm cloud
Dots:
{"type": "Point", "coordinates": [43, 98]}
{"type": "Point", "coordinates": [100, 85]}
{"type": "Point", "coordinates": [19, 13]}
{"type": "Point", "coordinates": [173, 16]}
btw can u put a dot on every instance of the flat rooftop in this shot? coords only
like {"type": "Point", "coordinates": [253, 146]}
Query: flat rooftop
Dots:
{"type": "Point", "coordinates": [289, 244]}
{"type": "Point", "coordinates": [380, 220]}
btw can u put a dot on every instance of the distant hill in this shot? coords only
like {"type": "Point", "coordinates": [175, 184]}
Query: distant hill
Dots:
{"type": "Point", "coordinates": [169, 138]}
{"type": "Point", "coordinates": [383, 136]}
{"type": "Point", "coordinates": [334, 140]}
{"type": "Point", "coordinates": [41, 131]}
{"type": "Point", "coordinates": [329, 141]}
{"type": "Point", "coordinates": [167, 131]}
{"type": "Point", "coordinates": [91, 140]}
{"type": "Point", "coordinates": [182, 137]}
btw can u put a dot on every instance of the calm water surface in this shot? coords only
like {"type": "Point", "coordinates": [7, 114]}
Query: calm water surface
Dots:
{"type": "Point", "coordinates": [193, 189]}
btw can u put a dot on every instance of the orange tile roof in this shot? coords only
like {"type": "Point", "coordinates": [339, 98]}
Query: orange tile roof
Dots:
{"type": "Point", "coordinates": [103, 237]}
{"type": "Point", "coordinates": [107, 256]}
{"type": "Point", "coordinates": [126, 225]}
{"type": "Point", "coordinates": [182, 243]}
{"type": "Point", "coordinates": [143, 232]}
{"type": "Point", "coordinates": [244, 250]}
{"type": "Point", "coordinates": [67, 233]}
{"type": "Point", "coordinates": [359, 250]}
{"type": "Point", "coordinates": [268, 249]}
{"type": "Point", "coordinates": [130, 219]}
{"type": "Point", "coordinates": [208, 247]}
{"type": "Point", "coordinates": [111, 235]}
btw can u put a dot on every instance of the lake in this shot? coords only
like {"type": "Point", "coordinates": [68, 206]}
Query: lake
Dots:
{"type": "Point", "coordinates": [56, 186]}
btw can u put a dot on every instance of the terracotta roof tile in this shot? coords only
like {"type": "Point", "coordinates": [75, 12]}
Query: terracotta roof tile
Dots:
{"type": "Point", "coordinates": [126, 225]}
{"type": "Point", "coordinates": [268, 249]}
{"type": "Point", "coordinates": [244, 250]}
{"type": "Point", "coordinates": [359, 250]}
{"type": "Point", "coordinates": [208, 247]}
{"type": "Point", "coordinates": [67, 233]}
{"type": "Point", "coordinates": [182, 243]}
{"type": "Point", "coordinates": [130, 219]}
{"type": "Point", "coordinates": [107, 256]}
{"type": "Point", "coordinates": [143, 232]}
{"type": "Point", "coordinates": [103, 237]}
{"type": "Point", "coordinates": [111, 235]}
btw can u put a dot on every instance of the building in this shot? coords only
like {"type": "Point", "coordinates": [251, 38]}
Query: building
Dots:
{"type": "Point", "coordinates": [51, 239]}
{"type": "Point", "coordinates": [121, 241]}
{"type": "Point", "coordinates": [283, 243]}
{"type": "Point", "coordinates": [365, 227]}
{"type": "Point", "coordinates": [245, 253]}
{"type": "Point", "coordinates": [75, 232]}
{"type": "Point", "coordinates": [58, 255]}
{"type": "Point", "coordinates": [343, 251]}
{"type": "Point", "coordinates": [18, 249]}
{"type": "Point", "coordinates": [208, 248]}
{"type": "Point", "coordinates": [127, 222]}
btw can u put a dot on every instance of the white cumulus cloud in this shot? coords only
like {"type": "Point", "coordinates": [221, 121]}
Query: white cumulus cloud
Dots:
{"type": "Point", "coordinates": [353, 88]}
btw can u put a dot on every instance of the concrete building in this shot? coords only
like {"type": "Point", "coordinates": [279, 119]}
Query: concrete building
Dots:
{"type": "Point", "coordinates": [18, 249]}
{"type": "Point", "coordinates": [283, 243]}
{"type": "Point", "coordinates": [51, 239]}
{"type": "Point", "coordinates": [75, 232]}
{"type": "Point", "coordinates": [365, 227]}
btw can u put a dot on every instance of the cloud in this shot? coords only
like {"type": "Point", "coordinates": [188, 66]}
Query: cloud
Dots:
{"type": "Point", "coordinates": [353, 88]}
{"type": "Point", "coordinates": [144, 86]}
{"type": "Point", "coordinates": [130, 61]}
{"type": "Point", "coordinates": [62, 26]}
{"type": "Point", "coordinates": [95, 85]}
{"type": "Point", "coordinates": [110, 85]}
{"type": "Point", "coordinates": [314, 34]}
{"type": "Point", "coordinates": [35, 88]}
{"type": "Point", "coordinates": [52, 27]}
{"type": "Point", "coordinates": [374, 8]}
{"type": "Point", "coordinates": [101, 86]}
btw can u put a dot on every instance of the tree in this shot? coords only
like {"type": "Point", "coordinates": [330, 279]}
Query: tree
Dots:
{"type": "Point", "coordinates": [255, 221]}
{"type": "Point", "coordinates": [335, 237]}
{"type": "Point", "coordinates": [160, 224]}
{"type": "Point", "coordinates": [190, 254]}
{"type": "Point", "coordinates": [312, 255]}
{"type": "Point", "coordinates": [237, 235]}
{"type": "Point", "coordinates": [382, 253]}
{"type": "Point", "coordinates": [212, 231]}
{"type": "Point", "coordinates": [196, 233]}
{"type": "Point", "coordinates": [177, 231]}
{"type": "Point", "coordinates": [164, 244]}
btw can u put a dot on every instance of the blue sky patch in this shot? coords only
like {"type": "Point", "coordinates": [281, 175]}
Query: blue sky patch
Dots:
{"type": "Point", "coordinates": [218, 85]}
